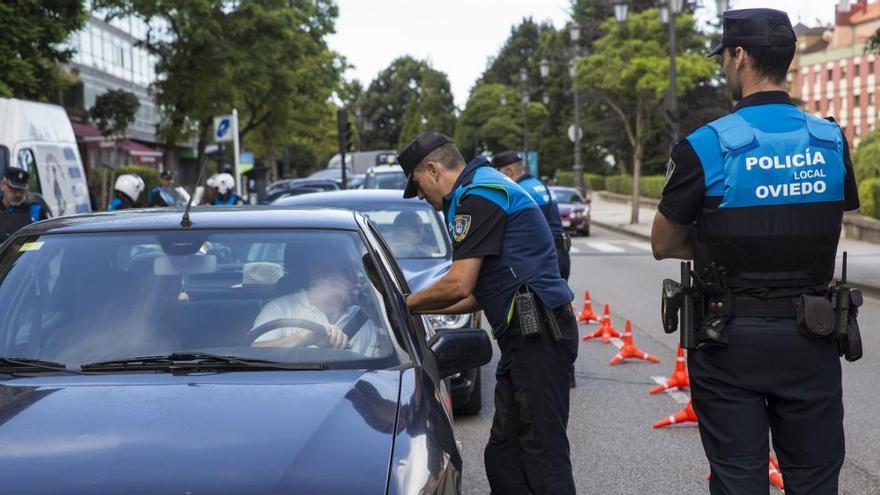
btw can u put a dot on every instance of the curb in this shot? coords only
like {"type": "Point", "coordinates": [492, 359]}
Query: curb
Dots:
{"type": "Point", "coordinates": [620, 230]}
{"type": "Point", "coordinates": [868, 290]}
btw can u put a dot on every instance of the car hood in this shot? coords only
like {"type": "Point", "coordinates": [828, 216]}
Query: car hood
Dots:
{"type": "Point", "coordinates": [421, 273]}
{"type": "Point", "coordinates": [251, 432]}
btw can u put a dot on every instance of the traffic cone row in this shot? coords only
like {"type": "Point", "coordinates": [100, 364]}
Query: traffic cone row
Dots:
{"type": "Point", "coordinates": [605, 331]}
{"type": "Point", "coordinates": [679, 377]}
{"type": "Point", "coordinates": [587, 314]}
{"type": "Point", "coordinates": [629, 349]}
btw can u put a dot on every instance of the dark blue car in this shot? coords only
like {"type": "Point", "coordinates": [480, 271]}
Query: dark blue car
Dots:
{"type": "Point", "coordinates": [256, 351]}
{"type": "Point", "coordinates": [421, 245]}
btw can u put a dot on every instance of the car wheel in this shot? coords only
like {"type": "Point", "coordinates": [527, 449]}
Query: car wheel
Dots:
{"type": "Point", "coordinates": [475, 402]}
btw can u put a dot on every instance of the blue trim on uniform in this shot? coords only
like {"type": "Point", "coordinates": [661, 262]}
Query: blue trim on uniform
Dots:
{"type": "Point", "coordinates": [545, 199]}
{"type": "Point", "coordinates": [35, 210]}
{"type": "Point", "coordinates": [230, 201]}
{"type": "Point", "coordinates": [115, 204]}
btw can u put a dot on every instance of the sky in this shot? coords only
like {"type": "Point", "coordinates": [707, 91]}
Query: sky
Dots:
{"type": "Point", "coordinates": [459, 36]}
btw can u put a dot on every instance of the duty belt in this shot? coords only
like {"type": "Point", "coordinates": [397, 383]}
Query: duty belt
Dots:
{"type": "Point", "coordinates": [731, 305]}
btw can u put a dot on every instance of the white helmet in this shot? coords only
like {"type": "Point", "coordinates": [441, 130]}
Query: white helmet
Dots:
{"type": "Point", "coordinates": [131, 185]}
{"type": "Point", "coordinates": [212, 181]}
{"type": "Point", "coordinates": [224, 183]}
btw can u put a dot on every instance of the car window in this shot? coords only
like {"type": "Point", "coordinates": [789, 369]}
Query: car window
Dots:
{"type": "Point", "coordinates": [411, 231]}
{"type": "Point", "coordinates": [26, 161]}
{"type": "Point", "coordinates": [80, 298]}
{"type": "Point", "coordinates": [385, 180]}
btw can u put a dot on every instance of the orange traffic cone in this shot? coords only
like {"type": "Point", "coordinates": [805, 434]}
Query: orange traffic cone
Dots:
{"type": "Point", "coordinates": [605, 330]}
{"type": "Point", "coordinates": [629, 349]}
{"type": "Point", "coordinates": [679, 377]}
{"type": "Point", "coordinates": [684, 416]}
{"type": "Point", "coordinates": [587, 314]}
{"type": "Point", "coordinates": [775, 474]}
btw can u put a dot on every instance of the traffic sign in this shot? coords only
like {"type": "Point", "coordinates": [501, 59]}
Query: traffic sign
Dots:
{"type": "Point", "coordinates": [572, 129]}
{"type": "Point", "coordinates": [223, 129]}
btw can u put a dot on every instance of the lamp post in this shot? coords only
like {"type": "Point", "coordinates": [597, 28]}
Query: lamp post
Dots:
{"type": "Point", "coordinates": [721, 6]}
{"type": "Point", "coordinates": [524, 79]}
{"type": "Point", "coordinates": [574, 34]}
{"type": "Point", "coordinates": [669, 10]}
{"type": "Point", "coordinates": [621, 9]}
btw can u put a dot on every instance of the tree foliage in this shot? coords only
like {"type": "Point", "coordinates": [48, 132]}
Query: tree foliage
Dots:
{"type": "Point", "coordinates": [629, 73]}
{"type": "Point", "coordinates": [387, 100]}
{"type": "Point", "coordinates": [32, 33]}
{"type": "Point", "coordinates": [114, 111]}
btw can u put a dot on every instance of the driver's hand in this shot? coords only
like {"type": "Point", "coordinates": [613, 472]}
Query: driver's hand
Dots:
{"type": "Point", "coordinates": [336, 338]}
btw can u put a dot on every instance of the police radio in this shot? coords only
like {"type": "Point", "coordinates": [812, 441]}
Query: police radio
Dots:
{"type": "Point", "coordinates": [846, 301]}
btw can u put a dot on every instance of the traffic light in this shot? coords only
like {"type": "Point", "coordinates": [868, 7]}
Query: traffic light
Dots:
{"type": "Point", "coordinates": [346, 140]}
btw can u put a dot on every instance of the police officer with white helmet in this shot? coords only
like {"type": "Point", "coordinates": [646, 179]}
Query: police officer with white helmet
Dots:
{"type": "Point", "coordinates": [127, 190]}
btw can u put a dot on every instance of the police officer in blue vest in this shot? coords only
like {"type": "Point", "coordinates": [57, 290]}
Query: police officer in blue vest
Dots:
{"type": "Point", "coordinates": [19, 209]}
{"type": "Point", "coordinates": [504, 262]}
{"type": "Point", "coordinates": [126, 191]}
{"type": "Point", "coordinates": [226, 196]}
{"type": "Point", "coordinates": [161, 195]}
{"type": "Point", "coordinates": [756, 199]}
{"type": "Point", "coordinates": [510, 164]}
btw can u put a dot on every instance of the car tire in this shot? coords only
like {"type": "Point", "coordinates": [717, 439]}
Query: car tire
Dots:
{"type": "Point", "coordinates": [474, 404]}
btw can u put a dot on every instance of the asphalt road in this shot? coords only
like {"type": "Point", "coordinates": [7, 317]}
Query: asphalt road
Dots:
{"type": "Point", "coordinates": [614, 448]}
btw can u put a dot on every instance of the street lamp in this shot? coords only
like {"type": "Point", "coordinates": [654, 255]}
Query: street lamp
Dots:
{"type": "Point", "coordinates": [671, 10]}
{"type": "Point", "coordinates": [524, 79]}
{"type": "Point", "coordinates": [574, 31]}
{"type": "Point", "coordinates": [503, 100]}
{"type": "Point", "coordinates": [620, 10]}
{"type": "Point", "coordinates": [722, 6]}
{"type": "Point", "coordinates": [545, 68]}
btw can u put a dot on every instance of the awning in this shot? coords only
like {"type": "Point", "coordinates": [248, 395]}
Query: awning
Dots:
{"type": "Point", "coordinates": [87, 132]}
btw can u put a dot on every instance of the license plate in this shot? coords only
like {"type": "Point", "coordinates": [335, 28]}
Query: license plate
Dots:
{"type": "Point", "coordinates": [566, 223]}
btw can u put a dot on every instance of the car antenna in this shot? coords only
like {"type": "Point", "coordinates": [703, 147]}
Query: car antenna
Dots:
{"type": "Point", "coordinates": [185, 221]}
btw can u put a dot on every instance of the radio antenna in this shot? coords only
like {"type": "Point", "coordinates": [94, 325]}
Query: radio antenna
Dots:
{"type": "Point", "coordinates": [185, 221]}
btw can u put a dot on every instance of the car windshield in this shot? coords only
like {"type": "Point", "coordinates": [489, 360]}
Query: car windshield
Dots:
{"type": "Point", "coordinates": [273, 295]}
{"type": "Point", "coordinates": [385, 180]}
{"type": "Point", "coordinates": [410, 231]}
{"type": "Point", "coordinates": [567, 196]}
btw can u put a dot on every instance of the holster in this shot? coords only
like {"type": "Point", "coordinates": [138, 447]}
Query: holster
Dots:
{"type": "Point", "coordinates": [846, 302]}
{"type": "Point", "coordinates": [815, 316]}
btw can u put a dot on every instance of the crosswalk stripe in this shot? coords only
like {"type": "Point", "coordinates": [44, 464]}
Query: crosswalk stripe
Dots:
{"type": "Point", "coordinates": [643, 245]}
{"type": "Point", "coordinates": [574, 249]}
{"type": "Point", "coordinates": [605, 247]}
{"type": "Point", "coordinates": [677, 395]}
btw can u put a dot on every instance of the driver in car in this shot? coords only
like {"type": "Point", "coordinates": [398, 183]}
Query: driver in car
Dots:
{"type": "Point", "coordinates": [329, 292]}
{"type": "Point", "coordinates": [406, 235]}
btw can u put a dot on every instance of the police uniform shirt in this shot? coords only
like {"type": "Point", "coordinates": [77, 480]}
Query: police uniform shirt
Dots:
{"type": "Point", "coordinates": [685, 192]}
{"type": "Point", "coordinates": [16, 217]}
{"type": "Point", "coordinates": [484, 233]}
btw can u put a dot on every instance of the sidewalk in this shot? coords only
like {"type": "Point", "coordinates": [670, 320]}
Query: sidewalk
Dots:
{"type": "Point", "coordinates": [863, 258]}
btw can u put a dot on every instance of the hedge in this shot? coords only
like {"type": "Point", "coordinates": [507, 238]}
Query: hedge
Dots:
{"type": "Point", "coordinates": [620, 184]}
{"type": "Point", "coordinates": [869, 197]}
{"type": "Point", "coordinates": [593, 182]}
{"type": "Point", "coordinates": [651, 186]}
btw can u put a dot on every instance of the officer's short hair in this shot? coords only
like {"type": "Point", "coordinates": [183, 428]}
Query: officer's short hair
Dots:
{"type": "Point", "coordinates": [771, 62]}
{"type": "Point", "coordinates": [448, 155]}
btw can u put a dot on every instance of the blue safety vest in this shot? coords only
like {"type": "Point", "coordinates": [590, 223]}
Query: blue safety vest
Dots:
{"type": "Point", "coordinates": [115, 204]}
{"type": "Point", "coordinates": [544, 197]}
{"type": "Point", "coordinates": [528, 254]}
{"type": "Point", "coordinates": [777, 175]}
{"type": "Point", "coordinates": [231, 200]}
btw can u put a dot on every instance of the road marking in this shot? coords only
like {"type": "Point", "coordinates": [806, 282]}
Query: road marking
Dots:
{"type": "Point", "coordinates": [573, 249]}
{"type": "Point", "coordinates": [642, 245]}
{"type": "Point", "coordinates": [617, 342]}
{"type": "Point", "coordinates": [677, 395]}
{"type": "Point", "coordinates": [605, 247]}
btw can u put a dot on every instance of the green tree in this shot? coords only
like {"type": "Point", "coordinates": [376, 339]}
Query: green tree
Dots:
{"type": "Point", "coordinates": [629, 72]}
{"type": "Point", "coordinates": [32, 33]}
{"type": "Point", "coordinates": [114, 111]}
{"type": "Point", "coordinates": [493, 120]}
{"type": "Point", "coordinates": [386, 100]}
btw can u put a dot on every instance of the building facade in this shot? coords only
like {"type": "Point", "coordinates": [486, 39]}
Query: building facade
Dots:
{"type": "Point", "coordinates": [833, 75]}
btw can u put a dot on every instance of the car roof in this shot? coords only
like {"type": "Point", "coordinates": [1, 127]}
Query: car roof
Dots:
{"type": "Point", "coordinates": [208, 217]}
{"type": "Point", "coordinates": [384, 169]}
{"type": "Point", "coordinates": [353, 197]}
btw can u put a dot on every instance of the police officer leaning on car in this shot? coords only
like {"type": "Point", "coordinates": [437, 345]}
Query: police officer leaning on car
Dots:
{"type": "Point", "coordinates": [510, 164]}
{"type": "Point", "coordinates": [756, 199]}
{"type": "Point", "coordinates": [504, 262]}
{"type": "Point", "coordinates": [19, 208]}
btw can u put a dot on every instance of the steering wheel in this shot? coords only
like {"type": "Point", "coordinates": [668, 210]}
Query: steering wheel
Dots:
{"type": "Point", "coordinates": [260, 330]}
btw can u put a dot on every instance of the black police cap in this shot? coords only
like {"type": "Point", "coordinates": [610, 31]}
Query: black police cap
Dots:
{"type": "Point", "coordinates": [505, 158]}
{"type": "Point", "coordinates": [415, 152]}
{"type": "Point", "coordinates": [166, 175]}
{"type": "Point", "coordinates": [17, 178]}
{"type": "Point", "coordinates": [755, 27]}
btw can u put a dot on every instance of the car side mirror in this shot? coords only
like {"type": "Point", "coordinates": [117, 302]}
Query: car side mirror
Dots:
{"type": "Point", "coordinates": [458, 350]}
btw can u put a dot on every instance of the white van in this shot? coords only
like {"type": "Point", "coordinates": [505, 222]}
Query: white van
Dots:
{"type": "Point", "coordinates": [38, 137]}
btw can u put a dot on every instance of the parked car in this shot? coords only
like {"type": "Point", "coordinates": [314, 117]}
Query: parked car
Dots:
{"type": "Point", "coordinates": [424, 254]}
{"type": "Point", "coordinates": [385, 177]}
{"type": "Point", "coordinates": [38, 137]}
{"type": "Point", "coordinates": [574, 209]}
{"type": "Point", "coordinates": [138, 355]}
{"type": "Point", "coordinates": [294, 187]}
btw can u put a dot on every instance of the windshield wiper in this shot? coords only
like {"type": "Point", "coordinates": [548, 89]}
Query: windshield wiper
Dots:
{"type": "Point", "coordinates": [195, 360]}
{"type": "Point", "coordinates": [21, 364]}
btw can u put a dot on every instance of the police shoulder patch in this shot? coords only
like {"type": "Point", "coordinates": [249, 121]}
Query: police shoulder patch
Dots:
{"type": "Point", "coordinates": [670, 169]}
{"type": "Point", "coordinates": [460, 227]}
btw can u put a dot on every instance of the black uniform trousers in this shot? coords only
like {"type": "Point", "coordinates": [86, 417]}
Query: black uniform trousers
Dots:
{"type": "Point", "coordinates": [528, 450]}
{"type": "Point", "coordinates": [769, 377]}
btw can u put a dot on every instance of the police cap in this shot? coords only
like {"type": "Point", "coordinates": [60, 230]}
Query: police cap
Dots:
{"type": "Point", "coordinates": [17, 178]}
{"type": "Point", "coordinates": [166, 175]}
{"type": "Point", "coordinates": [755, 27]}
{"type": "Point", "coordinates": [415, 152]}
{"type": "Point", "coordinates": [505, 158]}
